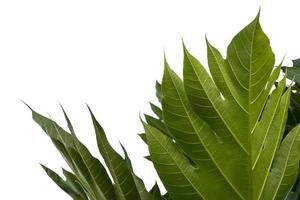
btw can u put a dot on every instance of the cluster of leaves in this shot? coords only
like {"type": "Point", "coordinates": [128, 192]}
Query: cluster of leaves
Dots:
{"type": "Point", "coordinates": [218, 136]}
{"type": "Point", "coordinates": [89, 180]}
{"type": "Point", "coordinates": [226, 129]}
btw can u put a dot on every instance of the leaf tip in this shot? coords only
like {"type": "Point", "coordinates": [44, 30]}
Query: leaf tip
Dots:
{"type": "Point", "coordinates": [166, 64]}
{"type": "Point", "coordinates": [258, 13]}
{"type": "Point", "coordinates": [164, 54]}
{"type": "Point", "coordinates": [63, 110]}
{"type": "Point", "coordinates": [207, 41]}
{"type": "Point", "coordinates": [44, 167]}
{"type": "Point", "coordinates": [183, 43]}
{"type": "Point", "coordinates": [157, 83]}
{"type": "Point", "coordinates": [90, 111]}
{"type": "Point", "coordinates": [26, 104]}
{"type": "Point", "coordinates": [151, 104]}
{"type": "Point", "coordinates": [148, 158]}
{"type": "Point", "coordinates": [140, 116]}
{"type": "Point", "coordinates": [205, 36]}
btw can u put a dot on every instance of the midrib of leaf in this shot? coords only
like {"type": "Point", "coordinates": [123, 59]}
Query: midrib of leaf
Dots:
{"type": "Point", "coordinates": [203, 144]}
{"type": "Point", "coordinates": [177, 164]}
{"type": "Point", "coordinates": [235, 74]}
{"type": "Point", "coordinates": [249, 122]}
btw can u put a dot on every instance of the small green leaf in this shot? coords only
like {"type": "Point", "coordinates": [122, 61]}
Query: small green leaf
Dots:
{"type": "Point", "coordinates": [66, 185]}
{"type": "Point", "coordinates": [156, 110]}
{"type": "Point", "coordinates": [143, 137]}
{"type": "Point", "coordinates": [158, 91]}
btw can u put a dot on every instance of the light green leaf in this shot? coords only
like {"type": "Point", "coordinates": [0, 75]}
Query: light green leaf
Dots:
{"type": "Point", "coordinates": [158, 91]}
{"type": "Point", "coordinates": [192, 134]}
{"type": "Point", "coordinates": [179, 177]}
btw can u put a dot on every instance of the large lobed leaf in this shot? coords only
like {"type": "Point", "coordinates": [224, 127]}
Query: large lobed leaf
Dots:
{"type": "Point", "coordinates": [224, 132]}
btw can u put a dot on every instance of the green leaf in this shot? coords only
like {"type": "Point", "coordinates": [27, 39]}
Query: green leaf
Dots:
{"type": "Point", "coordinates": [269, 130]}
{"type": "Point", "coordinates": [148, 158]}
{"type": "Point", "coordinates": [143, 137]}
{"type": "Point", "coordinates": [294, 194]}
{"type": "Point", "coordinates": [66, 186]}
{"type": "Point", "coordinates": [90, 180]}
{"type": "Point", "coordinates": [296, 62]}
{"type": "Point", "coordinates": [156, 123]}
{"type": "Point", "coordinates": [285, 167]}
{"type": "Point", "coordinates": [73, 181]}
{"type": "Point", "coordinates": [144, 194]}
{"type": "Point", "coordinates": [155, 191]}
{"type": "Point", "coordinates": [124, 181]}
{"type": "Point", "coordinates": [156, 110]}
{"type": "Point", "coordinates": [158, 91]}
{"type": "Point", "coordinates": [180, 179]}
{"type": "Point", "coordinates": [293, 73]}
{"type": "Point", "coordinates": [167, 197]}
{"type": "Point", "coordinates": [294, 108]}
{"type": "Point", "coordinates": [90, 166]}
{"type": "Point", "coordinates": [191, 133]}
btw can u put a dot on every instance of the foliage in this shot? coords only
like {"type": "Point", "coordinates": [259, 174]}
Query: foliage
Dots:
{"type": "Point", "coordinates": [221, 136]}
{"type": "Point", "coordinates": [89, 180]}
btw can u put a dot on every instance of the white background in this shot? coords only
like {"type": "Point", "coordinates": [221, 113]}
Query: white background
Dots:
{"type": "Point", "coordinates": [107, 54]}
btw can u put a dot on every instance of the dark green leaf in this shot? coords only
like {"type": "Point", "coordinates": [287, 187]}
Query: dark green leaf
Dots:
{"type": "Point", "coordinates": [124, 181]}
